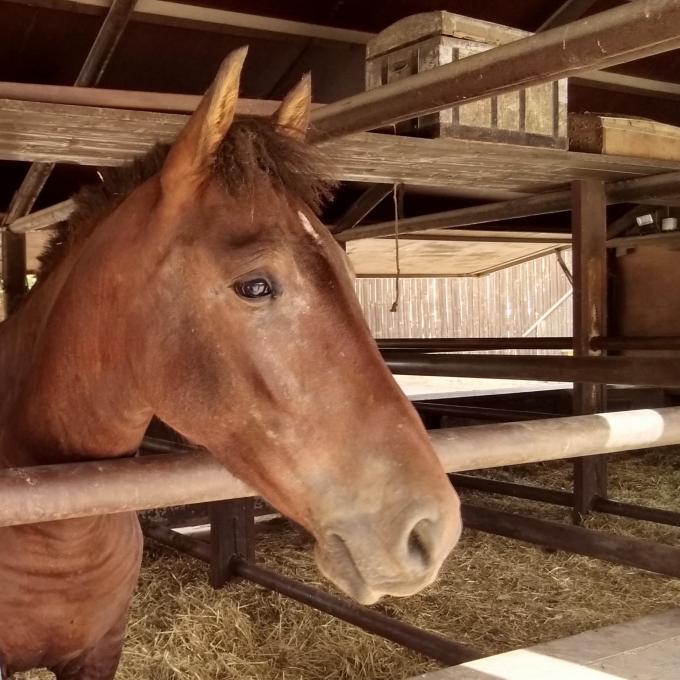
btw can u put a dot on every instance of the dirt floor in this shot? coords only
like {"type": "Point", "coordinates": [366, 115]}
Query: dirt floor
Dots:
{"type": "Point", "coordinates": [494, 593]}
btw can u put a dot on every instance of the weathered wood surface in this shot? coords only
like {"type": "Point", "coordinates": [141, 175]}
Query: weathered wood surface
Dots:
{"type": "Point", "coordinates": [532, 115]}
{"type": "Point", "coordinates": [615, 36]}
{"type": "Point", "coordinates": [459, 253]}
{"type": "Point", "coordinates": [32, 131]}
{"type": "Point", "coordinates": [589, 268]}
{"type": "Point", "coordinates": [618, 136]}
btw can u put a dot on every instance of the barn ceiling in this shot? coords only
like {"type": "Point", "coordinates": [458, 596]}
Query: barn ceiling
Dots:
{"type": "Point", "coordinates": [46, 41]}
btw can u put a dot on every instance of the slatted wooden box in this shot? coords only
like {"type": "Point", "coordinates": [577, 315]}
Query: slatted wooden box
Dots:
{"type": "Point", "coordinates": [534, 116]}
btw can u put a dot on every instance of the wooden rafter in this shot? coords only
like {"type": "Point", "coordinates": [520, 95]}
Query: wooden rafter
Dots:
{"type": "Point", "coordinates": [568, 11]}
{"type": "Point", "coordinates": [622, 191]}
{"type": "Point", "coordinates": [14, 244]}
{"type": "Point", "coordinates": [213, 19]}
{"type": "Point", "coordinates": [368, 200]}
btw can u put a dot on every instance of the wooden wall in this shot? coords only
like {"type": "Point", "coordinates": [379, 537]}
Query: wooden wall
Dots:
{"type": "Point", "coordinates": [503, 304]}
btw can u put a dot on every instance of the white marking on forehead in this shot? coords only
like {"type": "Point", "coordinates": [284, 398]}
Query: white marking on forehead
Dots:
{"type": "Point", "coordinates": [307, 226]}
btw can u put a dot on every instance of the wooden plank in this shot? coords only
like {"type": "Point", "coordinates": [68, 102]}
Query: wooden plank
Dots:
{"type": "Point", "coordinates": [469, 255]}
{"type": "Point", "coordinates": [589, 266]}
{"type": "Point", "coordinates": [619, 136]}
{"type": "Point", "coordinates": [42, 219]}
{"type": "Point", "coordinates": [214, 19]}
{"type": "Point", "coordinates": [45, 132]}
{"type": "Point", "coordinates": [669, 239]}
{"type": "Point", "coordinates": [124, 99]}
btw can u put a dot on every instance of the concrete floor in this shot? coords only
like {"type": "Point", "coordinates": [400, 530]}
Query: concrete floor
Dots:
{"type": "Point", "coordinates": [645, 649]}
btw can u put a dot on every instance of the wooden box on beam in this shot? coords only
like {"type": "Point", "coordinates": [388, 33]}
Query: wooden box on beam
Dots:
{"type": "Point", "coordinates": [533, 116]}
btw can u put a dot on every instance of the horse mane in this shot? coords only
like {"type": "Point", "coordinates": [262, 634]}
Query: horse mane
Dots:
{"type": "Point", "coordinates": [254, 149]}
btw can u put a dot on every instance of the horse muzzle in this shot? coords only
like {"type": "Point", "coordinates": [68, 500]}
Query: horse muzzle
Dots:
{"type": "Point", "coordinates": [368, 557]}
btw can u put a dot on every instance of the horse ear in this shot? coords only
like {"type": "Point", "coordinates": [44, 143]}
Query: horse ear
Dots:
{"type": "Point", "coordinates": [293, 114]}
{"type": "Point", "coordinates": [198, 142]}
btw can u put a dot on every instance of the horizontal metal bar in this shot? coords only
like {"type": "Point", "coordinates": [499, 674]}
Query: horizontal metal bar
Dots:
{"type": "Point", "coordinates": [634, 552]}
{"type": "Point", "coordinates": [430, 644]}
{"type": "Point", "coordinates": [52, 492]}
{"type": "Point", "coordinates": [524, 491]}
{"type": "Point", "coordinates": [565, 498]}
{"type": "Point", "coordinates": [173, 539]}
{"type": "Point", "coordinates": [657, 515]}
{"type": "Point", "coordinates": [475, 344]}
{"type": "Point", "coordinates": [639, 343]}
{"type": "Point", "coordinates": [613, 343]}
{"type": "Point", "coordinates": [649, 371]}
{"type": "Point", "coordinates": [481, 412]}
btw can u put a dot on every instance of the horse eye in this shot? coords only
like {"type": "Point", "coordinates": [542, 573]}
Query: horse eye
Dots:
{"type": "Point", "coordinates": [253, 288]}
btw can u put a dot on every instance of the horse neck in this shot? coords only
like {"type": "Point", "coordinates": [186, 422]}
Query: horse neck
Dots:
{"type": "Point", "coordinates": [71, 394]}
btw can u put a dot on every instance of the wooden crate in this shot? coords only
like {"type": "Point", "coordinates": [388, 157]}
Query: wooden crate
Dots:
{"type": "Point", "coordinates": [621, 136]}
{"type": "Point", "coordinates": [533, 116]}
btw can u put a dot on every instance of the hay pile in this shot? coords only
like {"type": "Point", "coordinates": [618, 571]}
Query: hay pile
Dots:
{"type": "Point", "coordinates": [494, 593]}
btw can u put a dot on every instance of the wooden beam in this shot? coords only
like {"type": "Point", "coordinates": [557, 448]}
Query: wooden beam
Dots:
{"type": "Point", "coordinates": [45, 218]}
{"type": "Point", "coordinates": [557, 201]}
{"type": "Point", "coordinates": [589, 264]}
{"type": "Point", "coordinates": [213, 19]}
{"type": "Point", "coordinates": [124, 99]}
{"type": "Point", "coordinates": [619, 82]}
{"type": "Point", "coordinates": [14, 244]}
{"type": "Point", "coordinates": [622, 34]}
{"type": "Point", "coordinates": [368, 200]}
{"type": "Point", "coordinates": [568, 11]}
{"type": "Point", "coordinates": [479, 236]}
{"type": "Point", "coordinates": [104, 137]}
{"type": "Point", "coordinates": [663, 238]}
{"type": "Point", "coordinates": [619, 225]}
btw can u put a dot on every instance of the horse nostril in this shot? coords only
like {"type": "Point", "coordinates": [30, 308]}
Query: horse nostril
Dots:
{"type": "Point", "coordinates": [419, 543]}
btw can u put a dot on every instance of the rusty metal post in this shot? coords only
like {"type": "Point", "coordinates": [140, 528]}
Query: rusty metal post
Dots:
{"type": "Point", "coordinates": [589, 234]}
{"type": "Point", "coordinates": [232, 533]}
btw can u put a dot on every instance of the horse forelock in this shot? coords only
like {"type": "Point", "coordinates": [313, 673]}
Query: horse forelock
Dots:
{"type": "Point", "coordinates": [254, 150]}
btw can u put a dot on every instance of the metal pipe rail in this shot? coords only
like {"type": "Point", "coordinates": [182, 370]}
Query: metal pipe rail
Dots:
{"type": "Point", "coordinates": [53, 492]}
{"type": "Point", "coordinates": [611, 343]}
{"type": "Point", "coordinates": [647, 371]}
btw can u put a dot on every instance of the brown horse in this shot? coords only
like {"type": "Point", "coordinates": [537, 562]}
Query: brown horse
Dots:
{"type": "Point", "coordinates": [211, 296]}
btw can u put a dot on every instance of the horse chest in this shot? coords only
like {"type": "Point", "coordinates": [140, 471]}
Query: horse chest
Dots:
{"type": "Point", "coordinates": [65, 587]}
